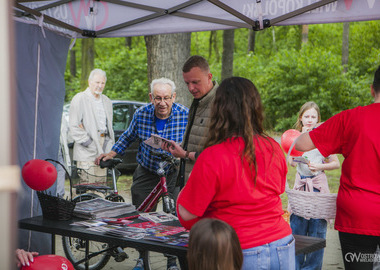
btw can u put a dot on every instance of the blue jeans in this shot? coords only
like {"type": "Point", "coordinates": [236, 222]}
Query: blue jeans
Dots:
{"type": "Point", "coordinates": [311, 227]}
{"type": "Point", "coordinates": [278, 254]}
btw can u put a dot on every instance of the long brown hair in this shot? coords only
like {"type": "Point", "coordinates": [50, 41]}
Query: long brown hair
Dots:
{"type": "Point", "coordinates": [237, 111]}
{"type": "Point", "coordinates": [214, 245]}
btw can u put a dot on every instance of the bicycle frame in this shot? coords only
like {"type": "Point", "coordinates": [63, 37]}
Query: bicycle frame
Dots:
{"type": "Point", "coordinates": [159, 190]}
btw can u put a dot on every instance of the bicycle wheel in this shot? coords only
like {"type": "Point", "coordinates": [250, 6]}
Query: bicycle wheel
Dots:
{"type": "Point", "coordinates": [75, 248]}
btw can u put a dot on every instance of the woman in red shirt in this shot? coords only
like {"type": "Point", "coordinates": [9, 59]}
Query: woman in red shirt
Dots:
{"type": "Point", "coordinates": [239, 177]}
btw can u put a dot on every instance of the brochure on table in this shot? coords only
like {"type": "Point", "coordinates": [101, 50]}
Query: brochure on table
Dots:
{"type": "Point", "coordinates": [147, 230]}
{"type": "Point", "coordinates": [99, 207]}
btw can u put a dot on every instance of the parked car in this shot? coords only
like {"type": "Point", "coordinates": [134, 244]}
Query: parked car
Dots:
{"type": "Point", "coordinates": [123, 111]}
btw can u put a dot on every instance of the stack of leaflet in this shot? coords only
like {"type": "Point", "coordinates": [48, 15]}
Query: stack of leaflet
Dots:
{"type": "Point", "coordinates": [99, 207]}
{"type": "Point", "coordinates": [128, 232]}
{"type": "Point", "coordinates": [158, 217]}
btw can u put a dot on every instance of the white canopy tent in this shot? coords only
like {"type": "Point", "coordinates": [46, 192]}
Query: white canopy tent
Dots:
{"type": "Point", "coordinates": [43, 30]}
{"type": "Point", "coordinates": [121, 18]}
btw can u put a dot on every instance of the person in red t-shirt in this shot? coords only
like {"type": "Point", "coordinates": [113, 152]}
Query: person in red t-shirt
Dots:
{"type": "Point", "coordinates": [239, 178]}
{"type": "Point", "coordinates": [355, 134]}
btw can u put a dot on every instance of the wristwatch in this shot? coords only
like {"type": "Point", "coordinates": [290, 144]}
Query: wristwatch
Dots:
{"type": "Point", "coordinates": [187, 156]}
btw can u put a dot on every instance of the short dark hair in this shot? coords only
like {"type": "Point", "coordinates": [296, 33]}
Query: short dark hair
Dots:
{"type": "Point", "coordinates": [195, 61]}
{"type": "Point", "coordinates": [376, 81]}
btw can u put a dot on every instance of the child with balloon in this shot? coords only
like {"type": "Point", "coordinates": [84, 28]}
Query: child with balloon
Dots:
{"type": "Point", "coordinates": [310, 177]}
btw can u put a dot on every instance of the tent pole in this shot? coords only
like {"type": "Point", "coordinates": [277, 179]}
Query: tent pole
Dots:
{"type": "Point", "coordinates": [300, 11]}
{"type": "Point", "coordinates": [233, 12]}
{"type": "Point", "coordinates": [48, 18]}
{"type": "Point", "coordinates": [171, 11]}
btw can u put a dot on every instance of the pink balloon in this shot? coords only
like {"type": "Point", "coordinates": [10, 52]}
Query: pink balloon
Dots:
{"type": "Point", "coordinates": [287, 139]}
{"type": "Point", "coordinates": [49, 262]}
{"type": "Point", "coordinates": [39, 174]}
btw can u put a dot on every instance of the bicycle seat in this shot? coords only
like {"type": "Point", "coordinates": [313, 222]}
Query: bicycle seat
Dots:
{"type": "Point", "coordinates": [82, 188]}
{"type": "Point", "coordinates": [111, 163]}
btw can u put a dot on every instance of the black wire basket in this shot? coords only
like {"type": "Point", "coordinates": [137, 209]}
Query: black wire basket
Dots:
{"type": "Point", "coordinates": [56, 208]}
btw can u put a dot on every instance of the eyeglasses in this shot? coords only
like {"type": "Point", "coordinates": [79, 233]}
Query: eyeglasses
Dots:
{"type": "Point", "coordinates": [159, 99]}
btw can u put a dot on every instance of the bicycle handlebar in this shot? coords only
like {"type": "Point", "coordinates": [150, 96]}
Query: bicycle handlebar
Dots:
{"type": "Point", "coordinates": [111, 163]}
{"type": "Point", "coordinates": [165, 157]}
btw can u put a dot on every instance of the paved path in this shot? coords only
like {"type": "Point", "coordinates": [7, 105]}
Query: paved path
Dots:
{"type": "Point", "coordinates": [333, 255]}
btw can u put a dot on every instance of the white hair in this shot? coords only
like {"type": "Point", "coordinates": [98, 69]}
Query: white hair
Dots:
{"type": "Point", "coordinates": [162, 81]}
{"type": "Point", "coordinates": [97, 71]}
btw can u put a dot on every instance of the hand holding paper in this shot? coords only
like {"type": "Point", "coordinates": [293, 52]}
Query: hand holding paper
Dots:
{"type": "Point", "coordinates": [156, 141]}
{"type": "Point", "coordinates": [301, 160]}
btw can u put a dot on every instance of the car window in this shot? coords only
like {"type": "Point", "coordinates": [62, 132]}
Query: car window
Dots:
{"type": "Point", "coordinates": [121, 116]}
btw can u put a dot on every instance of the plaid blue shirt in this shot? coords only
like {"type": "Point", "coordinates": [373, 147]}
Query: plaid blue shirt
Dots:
{"type": "Point", "coordinates": [143, 126]}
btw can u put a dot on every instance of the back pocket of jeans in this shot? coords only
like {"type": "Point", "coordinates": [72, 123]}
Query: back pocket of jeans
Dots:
{"type": "Point", "coordinates": [287, 255]}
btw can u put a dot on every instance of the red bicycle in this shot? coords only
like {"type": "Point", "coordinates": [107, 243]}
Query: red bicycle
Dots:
{"type": "Point", "coordinates": [161, 189]}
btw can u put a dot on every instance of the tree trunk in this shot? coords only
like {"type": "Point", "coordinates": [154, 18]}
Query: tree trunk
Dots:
{"type": "Point", "coordinates": [299, 30]}
{"type": "Point", "coordinates": [88, 48]}
{"type": "Point", "coordinates": [251, 41]}
{"type": "Point", "coordinates": [228, 53]}
{"type": "Point", "coordinates": [305, 33]}
{"type": "Point", "coordinates": [345, 45]}
{"type": "Point", "coordinates": [73, 63]}
{"type": "Point", "coordinates": [213, 45]}
{"type": "Point", "coordinates": [166, 55]}
{"type": "Point", "coordinates": [274, 39]}
{"type": "Point", "coordinates": [128, 42]}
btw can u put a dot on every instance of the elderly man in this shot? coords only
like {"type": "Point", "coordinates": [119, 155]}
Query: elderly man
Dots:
{"type": "Point", "coordinates": [90, 125]}
{"type": "Point", "coordinates": [162, 117]}
{"type": "Point", "coordinates": [198, 78]}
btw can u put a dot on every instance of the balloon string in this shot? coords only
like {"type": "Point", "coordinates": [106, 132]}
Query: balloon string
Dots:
{"type": "Point", "coordinates": [68, 175]}
{"type": "Point", "coordinates": [290, 150]}
{"type": "Point", "coordinates": [291, 146]}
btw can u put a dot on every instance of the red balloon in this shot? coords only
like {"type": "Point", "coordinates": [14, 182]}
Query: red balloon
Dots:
{"type": "Point", "coordinates": [49, 262]}
{"type": "Point", "coordinates": [287, 139]}
{"type": "Point", "coordinates": [39, 174]}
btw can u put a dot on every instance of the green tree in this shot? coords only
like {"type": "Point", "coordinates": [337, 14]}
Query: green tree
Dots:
{"type": "Point", "coordinates": [126, 69]}
{"type": "Point", "coordinates": [286, 74]}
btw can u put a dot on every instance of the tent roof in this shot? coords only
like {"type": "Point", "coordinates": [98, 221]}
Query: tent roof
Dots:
{"type": "Point", "coordinates": [117, 18]}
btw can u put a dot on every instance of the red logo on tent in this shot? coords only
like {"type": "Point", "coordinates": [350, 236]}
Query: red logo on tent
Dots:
{"type": "Point", "coordinates": [348, 4]}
